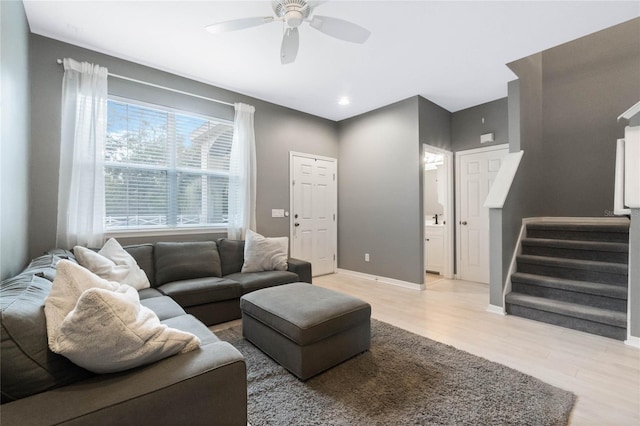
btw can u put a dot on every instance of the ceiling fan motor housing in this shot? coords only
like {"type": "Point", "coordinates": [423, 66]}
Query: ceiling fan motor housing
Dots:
{"type": "Point", "coordinates": [294, 12]}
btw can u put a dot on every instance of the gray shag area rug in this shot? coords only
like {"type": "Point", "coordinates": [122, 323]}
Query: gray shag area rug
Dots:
{"type": "Point", "coordinates": [405, 379]}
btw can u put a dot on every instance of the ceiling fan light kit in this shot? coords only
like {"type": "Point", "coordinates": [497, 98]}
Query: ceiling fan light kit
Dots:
{"type": "Point", "coordinates": [293, 13]}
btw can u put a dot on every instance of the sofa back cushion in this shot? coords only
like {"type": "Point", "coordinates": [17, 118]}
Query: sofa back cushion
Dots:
{"type": "Point", "coordinates": [231, 255]}
{"type": "Point", "coordinates": [184, 261]}
{"type": "Point", "coordinates": [143, 254]}
{"type": "Point", "coordinates": [28, 366]}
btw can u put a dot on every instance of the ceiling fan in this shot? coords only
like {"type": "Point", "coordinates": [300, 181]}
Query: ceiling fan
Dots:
{"type": "Point", "coordinates": [293, 13]}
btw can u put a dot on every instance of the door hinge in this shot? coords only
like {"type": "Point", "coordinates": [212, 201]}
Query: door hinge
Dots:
{"type": "Point", "coordinates": [334, 256]}
{"type": "Point", "coordinates": [334, 217]}
{"type": "Point", "coordinates": [334, 177]}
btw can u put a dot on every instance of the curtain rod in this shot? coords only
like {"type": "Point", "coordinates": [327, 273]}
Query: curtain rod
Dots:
{"type": "Point", "coordinates": [164, 88]}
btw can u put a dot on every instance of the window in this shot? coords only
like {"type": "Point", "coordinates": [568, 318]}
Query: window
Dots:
{"type": "Point", "coordinates": [165, 169]}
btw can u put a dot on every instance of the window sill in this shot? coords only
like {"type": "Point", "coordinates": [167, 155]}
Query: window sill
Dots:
{"type": "Point", "coordinates": [123, 233]}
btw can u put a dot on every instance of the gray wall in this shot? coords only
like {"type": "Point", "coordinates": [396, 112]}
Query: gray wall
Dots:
{"type": "Point", "coordinates": [14, 158]}
{"type": "Point", "coordinates": [467, 125]}
{"type": "Point", "coordinates": [434, 124]}
{"type": "Point", "coordinates": [278, 130]}
{"type": "Point", "coordinates": [570, 97]}
{"type": "Point", "coordinates": [587, 84]}
{"type": "Point", "coordinates": [379, 193]}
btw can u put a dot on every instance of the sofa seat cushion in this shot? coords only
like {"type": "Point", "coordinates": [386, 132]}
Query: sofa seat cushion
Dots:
{"type": "Point", "coordinates": [148, 293]}
{"type": "Point", "coordinates": [28, 366]}
{"type": "Point", "coordinates": [200, 291]}
{"type": "Point", "coordinates": [252, 281]}
{"type": "Point", "coordinates": [190, 324]}
{"type": "Point", "coordinates": [185, 261]}
{"type": "Point", "coordinates": [164, 307]}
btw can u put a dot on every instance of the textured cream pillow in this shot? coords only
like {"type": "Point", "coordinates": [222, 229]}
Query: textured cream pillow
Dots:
{"type": "Point", "coordinates": [113, 263]}
{"type": "Point", "coordinates": [101, 326]}
{"type": "Point", "coordinates": [265, 254]}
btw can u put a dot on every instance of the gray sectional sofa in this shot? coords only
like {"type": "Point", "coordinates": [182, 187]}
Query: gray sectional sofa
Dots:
{"type": "Point", "coordinates": [192, 285]}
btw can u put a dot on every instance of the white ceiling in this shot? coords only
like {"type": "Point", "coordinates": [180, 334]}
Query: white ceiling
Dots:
{"type": "Point", "coordinates": [452, 53]}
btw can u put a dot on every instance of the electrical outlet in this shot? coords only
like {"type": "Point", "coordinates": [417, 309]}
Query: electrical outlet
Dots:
{"type": "Point", "coordinates": [366, 257]}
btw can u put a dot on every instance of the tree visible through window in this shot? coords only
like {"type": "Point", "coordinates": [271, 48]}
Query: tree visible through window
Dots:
{"type": "Point", "coordinates": [165, 169]}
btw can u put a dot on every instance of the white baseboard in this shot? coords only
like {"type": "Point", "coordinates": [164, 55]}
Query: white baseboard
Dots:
{"type": "Point", "coordinates": [633, 341]}
{"type": "Point", "coordinates": [385, 280]}
{"type": "Point", "coordinates": [499, 310]}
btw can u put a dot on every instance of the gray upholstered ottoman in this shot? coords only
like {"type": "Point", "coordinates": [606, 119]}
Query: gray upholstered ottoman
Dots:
{"type": "Point", "coordinates": [305, 328]}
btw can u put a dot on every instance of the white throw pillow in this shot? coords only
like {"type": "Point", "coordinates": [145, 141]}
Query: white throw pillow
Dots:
{"type": "Point", "coordinates": [113, 263]}
{"type": "Point", "coordinates": [265, 254]}
{"type": "Point", "coordinates": [101, 326]}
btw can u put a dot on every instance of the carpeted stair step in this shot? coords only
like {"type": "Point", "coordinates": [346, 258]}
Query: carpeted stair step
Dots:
{"type": "Point", "coordinates": [572, 249]}
{"type": "Point", "coordinates": [574, 269]}
{"type": "Point", "coordinates": [615, 232]}
{"type": "Point", "coordinates": [598, 295]}
{"type": "Point", "coordinates": [599, 321]}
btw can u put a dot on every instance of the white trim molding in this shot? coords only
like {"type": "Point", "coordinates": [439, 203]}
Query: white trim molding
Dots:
{"type": "Point", "coordinates": [449, 217]}
{"type": "Point", "coordinates": [633, 341]}
{"type": "Point", "coordinates": [502, 183]}
{"type": "Point", "coordinates": [498, 310]}
{"type": "Point", "coordinates": [513, 266]}
{"type": "Point", "coordinates": [385, 280]}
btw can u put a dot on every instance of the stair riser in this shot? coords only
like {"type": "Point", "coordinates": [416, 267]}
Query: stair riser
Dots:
{"type": "Point", "coordinates": [574, 274]}
{"type": "Point", "coordinates": [612, 237]}
{"type": "Point", "coordinates": [596, 301]}
{"type": "Point", "coordinates": [599, 256]}
{"type": "Point", "coordinates": [568, 322]}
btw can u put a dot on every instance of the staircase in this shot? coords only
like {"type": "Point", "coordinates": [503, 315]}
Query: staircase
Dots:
{"type": "Point", "coordinates": [573, 275]}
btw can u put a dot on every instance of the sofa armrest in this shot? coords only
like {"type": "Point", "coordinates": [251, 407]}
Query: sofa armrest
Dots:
{"type": "Point", "coordinates": [205, 386]}
{"type": "Point", "coordinates": [302, 268]}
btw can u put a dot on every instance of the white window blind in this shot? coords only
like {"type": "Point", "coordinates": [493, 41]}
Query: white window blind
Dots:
{"type": "Point", "coordinates": [165, 169]}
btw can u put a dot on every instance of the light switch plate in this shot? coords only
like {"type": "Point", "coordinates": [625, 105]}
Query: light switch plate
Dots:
{"type": "Point", "coordinates": [487, 137]}
{"type": "Point", "coordinates": [277, 212]}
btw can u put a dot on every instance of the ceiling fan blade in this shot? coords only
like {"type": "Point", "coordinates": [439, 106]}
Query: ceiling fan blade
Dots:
{"type": "Point", "coordinates": [238, 24]}
{"type": "Point", "coordinates": [340, 29]}
{"type": "Point", "coordinates": [289, 48]}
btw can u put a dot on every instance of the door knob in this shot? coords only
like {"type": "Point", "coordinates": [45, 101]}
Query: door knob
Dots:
{"type": "Point", "coordinates": [464, 222]}
{"type": "Point", "coordinates": [296, 224]}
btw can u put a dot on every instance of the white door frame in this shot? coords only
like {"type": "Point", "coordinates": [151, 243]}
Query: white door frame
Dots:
{"type": "Point", "coordinates": [449, 216]}
{"type": "Point", "coordinates": [334, 239]}
{"type": "Point", "coordinates": [458, 154]}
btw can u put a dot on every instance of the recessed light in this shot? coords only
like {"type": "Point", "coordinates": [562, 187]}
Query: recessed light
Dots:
{"type": "Point", "coordinates": [344, 101]}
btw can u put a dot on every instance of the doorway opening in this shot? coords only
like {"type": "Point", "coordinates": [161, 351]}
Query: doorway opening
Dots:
{"type": "Point", "coordinates": [438, 213]}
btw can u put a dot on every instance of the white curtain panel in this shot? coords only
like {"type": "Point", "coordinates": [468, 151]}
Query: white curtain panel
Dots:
{"type": "Point", "coordinates": [242, 174]}
{"type": "Point", "coordinates": [81, 206]}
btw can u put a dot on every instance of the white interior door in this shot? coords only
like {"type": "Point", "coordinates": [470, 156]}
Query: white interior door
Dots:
{"type": "Point", "coordinates": [477, 170]}
{"type": "Point", "coordinates": [313, 211]}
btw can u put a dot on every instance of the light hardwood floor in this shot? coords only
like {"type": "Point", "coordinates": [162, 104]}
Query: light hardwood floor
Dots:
{"type": "Point", "coordinates": [603, 373]}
